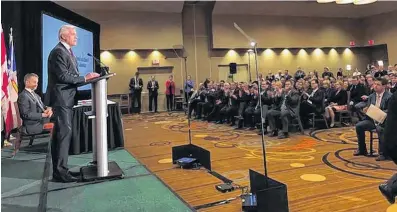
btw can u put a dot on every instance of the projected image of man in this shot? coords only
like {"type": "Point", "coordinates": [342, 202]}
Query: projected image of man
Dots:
{"type": "Point", "coordinates": [63, 76]}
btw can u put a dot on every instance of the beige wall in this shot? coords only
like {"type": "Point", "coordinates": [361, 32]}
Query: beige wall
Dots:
{"type": "Point", "coordinates": [195, 32]}
{"type": "Point", "coordinates": [284, 32]}
{"type": "Point", "coordinates": [274, 60]}
{"type": "Point", "coordinates": [126, 63]}
{"type": "Point", "coordinates": [383, 29]}
{"type": "Point", "coordinates": [137, 30]}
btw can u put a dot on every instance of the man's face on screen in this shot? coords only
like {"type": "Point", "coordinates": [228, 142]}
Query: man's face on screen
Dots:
{"type": "Point", "coordinates": [71, 37]}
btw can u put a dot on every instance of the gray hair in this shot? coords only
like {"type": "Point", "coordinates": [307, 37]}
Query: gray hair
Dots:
{"type": "Point", "coordinates": [28, 76]}
{"type": "Point", "coordinates": [64, 30]}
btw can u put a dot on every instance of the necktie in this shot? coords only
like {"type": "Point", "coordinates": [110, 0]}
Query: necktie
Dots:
{"type": "Point", "coordinates": [378, 100]}
{"type": "Point", "coordinates": [71, 52]}
{"type": "Point", "coordinates": [38, 101]}
{"type": "Point", "coordinates": [283, 106]}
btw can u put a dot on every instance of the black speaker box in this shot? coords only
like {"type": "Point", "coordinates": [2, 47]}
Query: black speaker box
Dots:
{"type": "Point", "coordinates": [233, 68]}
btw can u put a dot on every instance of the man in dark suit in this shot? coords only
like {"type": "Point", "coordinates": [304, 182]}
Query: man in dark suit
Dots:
{"type": "Point", "coordinates": [153, 87]}
{"type": "Point", "coordinates": [63, 76]}
{"type": "Point", "coordinates": [389, 189]}
{"type": "Point", "coordinates": [380, 98]}
{"type": "Point", "coordinates": [136, 85]}
{"type": "Point", "coordinates": [313, 102]}
{"type": "Point", "coordinates": [284, 107]}
{"type": "Point", "coordinates": [33, 112]}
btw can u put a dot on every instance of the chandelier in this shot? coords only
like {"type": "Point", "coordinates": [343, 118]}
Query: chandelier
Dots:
{"type": "Point", "coordinates": [356, 2]}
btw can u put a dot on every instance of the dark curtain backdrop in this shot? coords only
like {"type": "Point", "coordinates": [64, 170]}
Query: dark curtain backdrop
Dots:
{"type": "Point", "coordinates": [25, 19]}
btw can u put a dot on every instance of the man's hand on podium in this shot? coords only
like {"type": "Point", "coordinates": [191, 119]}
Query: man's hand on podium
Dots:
{"type": "Point", "coordinates": [91, 75]}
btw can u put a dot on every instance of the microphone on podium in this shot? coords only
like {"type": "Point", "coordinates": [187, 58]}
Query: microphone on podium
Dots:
{"type": "Point", "coordinates": [105, 68]}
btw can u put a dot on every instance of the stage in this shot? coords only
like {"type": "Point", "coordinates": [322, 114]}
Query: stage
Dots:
{"type": "Point", "coordinates": [319, 169]}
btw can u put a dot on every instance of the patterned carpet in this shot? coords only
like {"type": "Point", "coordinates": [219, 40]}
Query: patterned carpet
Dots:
{"type": "Point", "coordinates": [317, 168]}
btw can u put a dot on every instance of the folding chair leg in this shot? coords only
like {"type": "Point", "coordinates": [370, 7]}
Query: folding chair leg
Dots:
{"type": "Point", "coordinates": [300, 126]}
{"type": "Point", "coordinates": [313, 121]}
{"type": "Point", "coordinates": [31, 141]}
{"type": "Point", "coordinates": [325, 121]}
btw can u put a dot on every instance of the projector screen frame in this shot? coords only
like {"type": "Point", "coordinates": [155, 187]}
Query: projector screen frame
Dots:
{"type": "Point", "coordinates": [95, 66]}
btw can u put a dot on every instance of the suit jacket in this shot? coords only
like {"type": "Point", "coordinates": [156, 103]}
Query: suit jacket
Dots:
{"type": "Point", "coordinates": [291, 101]}
{"type": "Point", "coordinates": [31, 109]}
{"type": "Point", "coordinates": [63, 76]}
{"type": "Point", "coordinates": [318, 101]}
{"type": "Point", "coordinates": [390, 135]}
{"type": "Point", "coordinates": [154, 90]}
{"type": "Point", "coordinates": [384, 102]}
{"type": "Point", "coordinates": [133, 83]}
{"type": "Point", "coordinates": [356, 92]}
{"type": "Point", "coordinates": [169, 84]}
{"type": "Point", "coordinates": [339, 98]}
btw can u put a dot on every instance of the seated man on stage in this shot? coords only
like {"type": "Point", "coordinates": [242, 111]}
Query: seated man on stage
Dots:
{"type": "Point", "coordinates": [380, 99]}
{"type": "Point", "coordinates": [34, 113]}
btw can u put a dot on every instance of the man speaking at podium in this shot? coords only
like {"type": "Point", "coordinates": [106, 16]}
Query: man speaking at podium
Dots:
{"type": "Point", "coordinates": [63, 76]}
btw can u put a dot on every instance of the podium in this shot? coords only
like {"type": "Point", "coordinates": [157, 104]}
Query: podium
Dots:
{"type": "Point", "coordinates": [100, 168]}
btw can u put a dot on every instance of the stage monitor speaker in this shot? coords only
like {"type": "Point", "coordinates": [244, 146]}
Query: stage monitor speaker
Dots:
{"type": "Point", "coordinates": [233, 68]}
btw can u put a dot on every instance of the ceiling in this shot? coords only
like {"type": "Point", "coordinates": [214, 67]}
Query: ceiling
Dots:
{"type": "Point", "coordinates": [126, 6]}
{"type": "Point", "coordinates": [307, 8]}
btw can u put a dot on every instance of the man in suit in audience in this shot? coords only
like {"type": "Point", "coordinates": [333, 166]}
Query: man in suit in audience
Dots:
{"type": "Point", "coordinates": [389, 188]}
{"type": "Point", "coordinates": [153, 87]}
{"type": "Point", "coordinates": [313, 102]}
{"type": "Point", "coordinates": [63, 76]}
{"type": "Point", "coordinates": [136, 85]}
{"type": "Point", "coordinates": [285, 106]}
{"type": "Point", "coordinates": [380, 98]}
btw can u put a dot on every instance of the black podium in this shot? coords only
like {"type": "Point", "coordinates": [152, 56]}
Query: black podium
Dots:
{"type": "Point", "coordinates": [100, 168]}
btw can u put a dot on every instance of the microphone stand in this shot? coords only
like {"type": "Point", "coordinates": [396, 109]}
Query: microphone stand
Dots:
{"type": "Point", "coordinates": [254, 45]}
{"type": "Point", "coordinates": [104, 69]}
{"type": "Point", "coordinates": [188, 103]}
{"type": "Point", "coordinates": [190, 150]}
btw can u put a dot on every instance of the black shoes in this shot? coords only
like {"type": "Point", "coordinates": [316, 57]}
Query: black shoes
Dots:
{"type": "Point", "coordinates": [273, 134]}
{"type": "Point", "coordinates": [358, 152]}
{"type": "Point", "coordinates": [387, 192]}
{"type": "Point", "coordinates": [381, 158]}
{"type": "Point", "coordinates": [283, 135]}
{"type": "Point", "coordinates": [64, 178]}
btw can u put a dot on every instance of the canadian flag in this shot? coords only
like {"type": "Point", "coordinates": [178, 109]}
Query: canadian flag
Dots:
{"type": "Point", "coordinates": [6, 104]}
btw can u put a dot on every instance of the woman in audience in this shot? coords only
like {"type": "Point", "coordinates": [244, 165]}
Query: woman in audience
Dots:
{"type": "Point", "coordinates": [170, 92]}
{"type": "Point", "coordinates": [328, 91]}
{"type": "Point", "coordinates": [338, 102]}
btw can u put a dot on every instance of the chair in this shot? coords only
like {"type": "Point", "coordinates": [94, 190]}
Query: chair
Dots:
{"type": "Point", "coordinates": [178, 99]}
{"type": "Point", "coordinates": [47, 132]}
{"type": "Point", "coordinates": [371, 141]}
{"type": "Point", "coordinates": [322, 118]}
{"type": "Point", "coordinates": [124, 102]}
{"type": "Point", "coordinates": [345, 114]}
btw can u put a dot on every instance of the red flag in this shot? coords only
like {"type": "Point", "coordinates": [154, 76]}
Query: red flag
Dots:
{"type": "Point", "coordinates": [5, 100]}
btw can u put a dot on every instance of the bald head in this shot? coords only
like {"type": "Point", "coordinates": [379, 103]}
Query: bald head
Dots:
{"type": "Point", "coordinates": [67, 34]}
